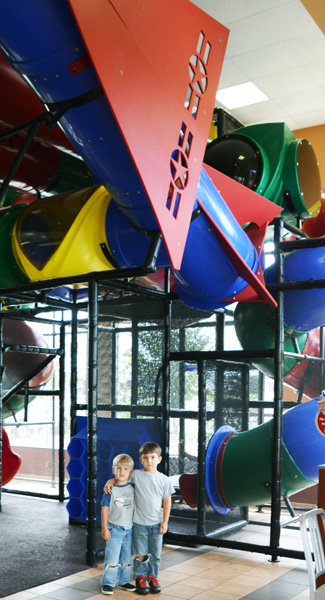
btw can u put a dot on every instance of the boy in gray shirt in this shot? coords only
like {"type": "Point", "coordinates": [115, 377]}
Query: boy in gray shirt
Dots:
{"type": "Point", "coordinates": [152, 493]}
{"type": "Point", "coordinates": [117, 520]}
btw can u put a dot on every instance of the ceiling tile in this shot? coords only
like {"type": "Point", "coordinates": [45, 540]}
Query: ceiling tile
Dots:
{"type": "Point", "coordinates": [269, 27]}
{"type": "Point", "coordinates": [231, 75]}
{"type": "Point", "coordinates": [311, 119]}
{"type": "Point", "coordinates": [264, 112]}
{"type": "Point", "coordinates": [317, 71]}
{"type": "Point", "coordinates": [268, 60]}
{"type": "Point", "coordinates": [306, 48]}
{"type": "Point", "coordinates": [286, 83]}
{"type": "Point", "coordinates": [296, 104]}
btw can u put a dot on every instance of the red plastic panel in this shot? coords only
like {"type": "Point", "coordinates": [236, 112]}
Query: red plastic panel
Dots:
{"type": "Point", "coordinates": [159, 64]}
{"type": "Point", "coordinates": [255, 282]}
{"type": "Point", "coordinates": [247, 206]}
{"type": "Point", "coordinates": [10, 460]}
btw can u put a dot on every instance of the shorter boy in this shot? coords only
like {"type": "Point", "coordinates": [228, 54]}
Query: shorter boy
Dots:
{"type": "Point", "coordinates": [117, 520]}
{"type": "Point", "coordinates": [152, 493]}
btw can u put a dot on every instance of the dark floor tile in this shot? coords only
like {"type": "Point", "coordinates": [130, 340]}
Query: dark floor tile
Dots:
{"type": "Point", "coordinates": [89, 585]}
{"type": "Point", "coordinates": [295, 576]}
{"type": "Point", "coordinates": [69, 593]}
{"type": "Point", "coordinates": [179, 556]}
{"type": "Point", "coordinates": [286, 587]}
{"type": "Point", "coordinates": [268, 592]}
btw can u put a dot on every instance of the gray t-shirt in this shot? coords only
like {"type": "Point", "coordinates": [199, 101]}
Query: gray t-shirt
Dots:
{"type": "Point", "coordinates": [149, 490]}
{"type": "Point", "coordinates": [121, 505]}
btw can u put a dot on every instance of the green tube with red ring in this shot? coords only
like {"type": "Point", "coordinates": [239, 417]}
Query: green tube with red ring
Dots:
{"type": "Point", "coordinates": [239, 465]}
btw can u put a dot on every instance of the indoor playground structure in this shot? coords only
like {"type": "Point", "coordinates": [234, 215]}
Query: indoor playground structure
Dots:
{"type": "Point", "coordinates": [115, 201]}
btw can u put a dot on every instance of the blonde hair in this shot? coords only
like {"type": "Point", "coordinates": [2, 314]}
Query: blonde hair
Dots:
{"type": "Point", "coordinates": [123, 459]}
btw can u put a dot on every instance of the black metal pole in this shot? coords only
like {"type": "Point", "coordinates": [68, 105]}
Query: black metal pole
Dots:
{"type": "Point", "coordinates": [278, 398]}
{"type": "Point", "coordinates": [219, 373]}
{"type": "Point", "coordinates": [165, 422]}
{"type": "Point", "coordinates": [135, 363]}
{"type": "Point", "coordinates": [18, 158]}
{"type": "Point", "coordinates": [201, 529]}
{"type": "Point", "coordinates": [74, 364]}
{"type": "Point", "coordinates": [91, 524]}
{"type": "Point", "coordinates": [181, 404]}
{"type": "Point", "coordinates": [61, 413]}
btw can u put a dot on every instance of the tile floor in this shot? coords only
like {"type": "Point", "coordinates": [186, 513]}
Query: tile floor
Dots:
{"type": "Point", "coordinates": [201, 574]}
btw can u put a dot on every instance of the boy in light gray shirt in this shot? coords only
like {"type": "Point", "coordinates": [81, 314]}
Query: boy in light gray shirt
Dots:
{"type": "Point", "coordinates": [152, 492]}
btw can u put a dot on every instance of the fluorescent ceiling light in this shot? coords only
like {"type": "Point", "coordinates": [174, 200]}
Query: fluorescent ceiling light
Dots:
{"type": "Point", "coordinates": [241, 95]}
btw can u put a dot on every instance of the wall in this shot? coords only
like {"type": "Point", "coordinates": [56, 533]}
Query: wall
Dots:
{"type": "Point", "coordinates": [316, 136]}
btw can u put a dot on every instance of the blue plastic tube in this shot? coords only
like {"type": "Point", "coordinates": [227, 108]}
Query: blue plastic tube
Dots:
{"type": "Point", "coordinates": [42, 42]}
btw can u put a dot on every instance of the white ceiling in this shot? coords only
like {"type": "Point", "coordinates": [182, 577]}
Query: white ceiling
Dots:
{"type": "Point", "coordinates": [278, 46]}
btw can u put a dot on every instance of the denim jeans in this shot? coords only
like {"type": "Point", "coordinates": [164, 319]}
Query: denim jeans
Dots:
{"type": "Point", "coordinates": [146, 541]}
{"type": "Point", "coordinates": [117, 567]}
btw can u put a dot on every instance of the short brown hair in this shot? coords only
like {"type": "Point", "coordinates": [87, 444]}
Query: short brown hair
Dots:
{"type": "Point", "coordinates": [150, 448]}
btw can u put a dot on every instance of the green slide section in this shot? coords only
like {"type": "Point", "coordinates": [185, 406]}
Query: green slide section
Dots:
{"type": "Point", "coordinates": [247, 468]}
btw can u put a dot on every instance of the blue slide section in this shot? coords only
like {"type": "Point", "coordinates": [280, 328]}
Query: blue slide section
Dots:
{"type": "Point", "coordinates": [42, 42]}
{"type": "Point", "coordinates": [304, 310]}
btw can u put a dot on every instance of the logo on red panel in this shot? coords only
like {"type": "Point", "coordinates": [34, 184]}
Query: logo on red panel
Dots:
{"type": "Point", "coordinates": [198, 81]}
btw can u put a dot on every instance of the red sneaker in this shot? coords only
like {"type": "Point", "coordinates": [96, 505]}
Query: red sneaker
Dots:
{"type": "Point", "coordinates": [154, 585]}
{"type": "Point", "coordinates": [141, 585]}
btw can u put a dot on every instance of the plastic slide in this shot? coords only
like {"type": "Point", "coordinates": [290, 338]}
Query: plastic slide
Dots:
{"type": "Point", "coordinates": [19, 366]}
{"type": "Point", "coordinates": [11, 461]}
{"type": "Point", "coordinates": [149, 187]}
{"type": "Point", "coordinates": [239, 465]}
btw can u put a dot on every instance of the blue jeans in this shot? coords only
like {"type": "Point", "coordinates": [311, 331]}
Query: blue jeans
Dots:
{"type": "Point", "coordinates": [117, 567]}
{"type": "Point", "coordinates": [146, 541]}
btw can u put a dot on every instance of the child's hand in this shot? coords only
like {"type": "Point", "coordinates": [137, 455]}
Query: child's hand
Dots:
{"type": "Point", "coordinates": [163, 527]}
{"type": "Point", "coordinates": [106, 534]}
{"type": "Point", "coordinates": [108, 487]}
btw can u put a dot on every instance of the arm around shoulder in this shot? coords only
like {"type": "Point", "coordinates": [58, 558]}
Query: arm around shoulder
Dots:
{"type": "Point", "coordinates": [108, 487]}
{"type": "Point", "coordinates": [167, 503]}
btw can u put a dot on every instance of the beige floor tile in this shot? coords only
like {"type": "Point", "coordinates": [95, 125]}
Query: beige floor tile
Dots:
{"type": "Point", "coordinates": [217, 575]}
{"type": "Point", "coordinates": [248, 560]}
{"type": "Point", "coordinates": [180, 591]}
{"type": "Point", "coordinates": [264, 572]}
{"type": "Point", "coordinates": [199, 561]}
{"type": "Point", "coordinates": [247, 579]}
{"type": "Point", "coordinates": [93, 572]}
{"type": "Point", "coordinates": [214, 595]}
{"type": "Point", "coordinates": [170, 576]}
{"type": "Point", "coordinates": [186, 569]}
{"type": "Point", "coordinates": [229, 587]}
{"type": "Point", "coordinates": [164, 597]}
{"type": "Point", "coordinates": [230, 567]}
{"type": "Point", "coordinates": [202, 583]}
{"type": "Point", "coordinates": [217, 555]}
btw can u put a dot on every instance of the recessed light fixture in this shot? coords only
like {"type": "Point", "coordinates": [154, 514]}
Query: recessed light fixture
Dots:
{"type": "Point", "coordinates": [241, 95]}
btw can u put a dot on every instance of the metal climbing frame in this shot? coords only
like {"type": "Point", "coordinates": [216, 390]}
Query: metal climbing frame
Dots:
{"type": "Point", "coordinates": [120, 283]}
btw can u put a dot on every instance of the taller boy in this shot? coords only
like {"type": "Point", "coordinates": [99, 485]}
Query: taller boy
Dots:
{"type": "Point", "coordinates": [152, 495]}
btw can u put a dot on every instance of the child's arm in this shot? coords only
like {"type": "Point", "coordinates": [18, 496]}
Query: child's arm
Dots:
{"type": "Point", "coordinates": [108, 487]}
{"type": "Point", "coordinates": [167, 503]}
{"type": "Point", "coordinates": [106, 534]}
